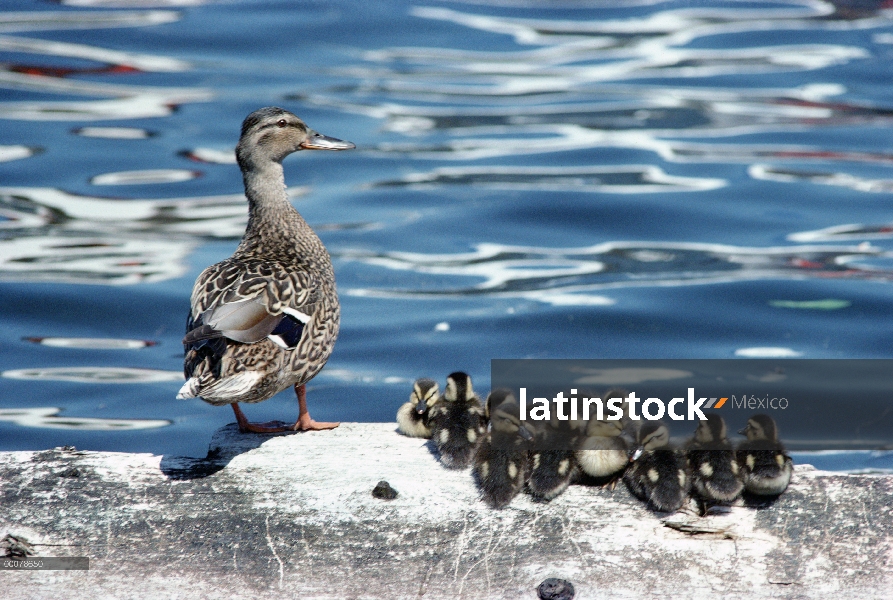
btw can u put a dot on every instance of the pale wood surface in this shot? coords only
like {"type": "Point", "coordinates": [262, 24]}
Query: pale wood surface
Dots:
{"type": "Point", "coordinates": [293, 517]}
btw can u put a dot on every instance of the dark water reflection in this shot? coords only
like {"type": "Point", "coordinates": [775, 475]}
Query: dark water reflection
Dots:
{"type": "Point", "coordinates": [705, 179]}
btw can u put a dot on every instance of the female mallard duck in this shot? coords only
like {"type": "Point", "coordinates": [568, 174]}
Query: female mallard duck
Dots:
{"type": "Point", "coordinates": [457, 422]}
{"type": "Point", "coordinates": [657, 474]}
{"type": "Point", "coordinates": [766, 468]}
{"type": "Point", "coordinates": [267, 317]}
{"type": "Point", "coordinates": [715, 475]}
{"type": "Point", "coordinates": [412, 417]}
{"type": "Point", "coordinates": [501, 463]}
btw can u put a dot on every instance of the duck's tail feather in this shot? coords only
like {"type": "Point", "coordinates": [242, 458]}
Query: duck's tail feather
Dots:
{"type": "Point", "coordinates": [190, 389]}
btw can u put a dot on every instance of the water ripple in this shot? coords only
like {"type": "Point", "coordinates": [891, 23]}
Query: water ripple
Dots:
{"type": "Point", "coordinates": [145, 177]}
{"type": "Point", "coordinates": [47, 417]}
{"type": "Point", "coordinates": [95, 375]}
{"type": "Point", "coordinates": [572, 85]}
{"type": "Point", "coordinates": [624, 179]}
{"type": "Point", "coordinates": [47, 234]}
{"type": "Point", "coordinates": [120, 101]}
{"type": "Point", "coordinates": [837, 179]}
{"type": "Point", "coordinates": [90, 343]}
{"type": "Point", "coordinates": [567, 276]}
{"type": "Point", "coordinates": [48, 20]}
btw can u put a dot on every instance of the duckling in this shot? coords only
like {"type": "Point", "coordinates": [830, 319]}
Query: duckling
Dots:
{"type": "Point", "coordinates": [715, 475]}
{"type": "Point", "coordinates": [603, 453]}
{"type": "Point", "coordinates": [267, 317]}
{"type": "Point", "coordinates": [501, 463]}
{"type": "Point", "coordinates": [766, 468]}
{"type": "Point", "coordinates": [494, 399]}
{"type": "Point", "coordinates": [412, 417]}
{"type": "Point", "coordinates": [457, 422]}
{"type": "Point", "coordinates": [657, 474]}
{"type": "Point", "coordinates": [553, 464]}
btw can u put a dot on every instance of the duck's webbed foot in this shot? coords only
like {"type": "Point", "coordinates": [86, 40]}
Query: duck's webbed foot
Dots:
{"type": "Point", "coordinates": [304, 422]}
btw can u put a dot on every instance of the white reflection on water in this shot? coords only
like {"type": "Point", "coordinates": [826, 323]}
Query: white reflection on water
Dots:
{"type": "Point", "coordinates": [145, 176]}
{"type": "Point", "coordinates": [49, 20]}
{"type": "Point", "coordinates": [92, 259]}
{"type": "Point", "coordinates": [836, 179]}
{"type": "Point", "coordinates": [212, 216]}
{"type": "Point", "coordinates": [767, 352]}
{"type": "Point", "coordinates": [114, 133]}
{"type": "Point", "coordinates": [95, 375]}
{"type": "Point", "coordinates": [626, 179]}
{"type": "Point", "coordinates": [116, 101]}
{"type": "Point", "coordinates": [575, 85]}
{"type": "Point", "coordinates": [568, 276]}
{"type": "Point", "coordinates": [142, 62]}
{"type": "Point", "coordinates": [90, 343]}
{"type": "Point", "coordinates": [53, 235]}
{"type": "Point", "coordinates": [16, 152]}
{"type": "Point", "coordinates": [46, 417]}
{"type": "Point", "coordinates": [676, 27]}
{"type": "Point", "coordinates": [130, 3]}
{"type": "Point", "coordinates": [211, 155]}
{"type": "Point", "coordinates": [625, 376]}
{"type": "Point", "coordinates": [844, 233]}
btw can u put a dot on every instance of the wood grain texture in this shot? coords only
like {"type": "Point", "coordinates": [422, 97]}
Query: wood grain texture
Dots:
{"type": "Point", "coordinates": [293, 516]}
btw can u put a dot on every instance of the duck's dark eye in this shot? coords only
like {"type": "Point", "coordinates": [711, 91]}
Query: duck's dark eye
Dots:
{"type": "Point", "coordinates": [282, 123]}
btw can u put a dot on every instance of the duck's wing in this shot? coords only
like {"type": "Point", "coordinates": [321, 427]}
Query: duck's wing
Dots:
{"type": "Point", "coordinates": [248, 301]}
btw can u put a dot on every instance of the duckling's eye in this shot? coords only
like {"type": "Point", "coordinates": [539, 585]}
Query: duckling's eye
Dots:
{"type": "Point", "coordinates": [282, 123]}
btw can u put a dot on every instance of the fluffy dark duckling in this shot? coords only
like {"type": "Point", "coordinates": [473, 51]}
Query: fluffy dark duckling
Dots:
{"type": "Point", "coordinates": [715, 475]}
{"type": "Point", "coordinates": [765, 466]}
{"type": "Point", "coordinates": [657, 474]}
{"type": "Point", "coordinates": [603, 453]}
{"type": "Point", "coordinates": [553, 464]}
{"type": "Point", "coordinates": [412, 417]}
{"type": "Point", "coordinates": [457, 422]}
{"type": "Point", "coordinates": [502, 462]}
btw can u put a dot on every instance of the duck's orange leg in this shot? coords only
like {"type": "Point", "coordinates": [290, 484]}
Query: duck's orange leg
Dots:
{"type": "Point", "coordinates": [304, 422]}
{"type": "Point", "coordinates": [246, 427]}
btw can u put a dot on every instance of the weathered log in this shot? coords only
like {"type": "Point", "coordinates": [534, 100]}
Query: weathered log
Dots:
{"type": "Point", "coordinates": [293, 516]}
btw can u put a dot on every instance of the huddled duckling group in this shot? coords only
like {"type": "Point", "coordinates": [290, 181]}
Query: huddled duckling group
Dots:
{"type": "Point", "coordinates": [508, 454]}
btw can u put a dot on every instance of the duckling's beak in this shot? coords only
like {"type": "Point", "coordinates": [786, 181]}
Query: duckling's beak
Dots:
{"type": "Point", "coordinates": [636, 453]}
{"type": "Point", "coordinates": [421, 407]}
{"type": "Point", "coordinates": [318, 141]}
{"type": "Point", "coordinates": [525, 434]}
{"type": "Point", "coordinates": [742, 431]}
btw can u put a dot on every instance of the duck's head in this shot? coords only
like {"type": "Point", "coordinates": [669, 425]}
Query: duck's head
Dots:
{"type": "Point", "coordinates": [505, 414]}
{"type": "Point", "coordinates": [495, 398]}
{"type": "Point", "coordinates": [458, 387]}
{"type": "Point", "coordinates": [650, 437]}
{"type": "Point", "coordinates": [605, 428]}
{"type": "Point", "coordinates": [711, 430]}
{"type": "Point", "coordinates": [424, 394]}
{"type": "Point", "coordinates": [760, 427]}
{"type": "Point", "coordinates": [272, 133]}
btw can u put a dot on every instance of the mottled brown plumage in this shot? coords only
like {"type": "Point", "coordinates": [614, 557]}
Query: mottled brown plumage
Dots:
{"type": "Point", "coordinates": [267, 317]}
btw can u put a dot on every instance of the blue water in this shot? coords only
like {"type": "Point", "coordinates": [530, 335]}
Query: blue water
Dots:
{"type": "Point", "coordinates": [669, 179]}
